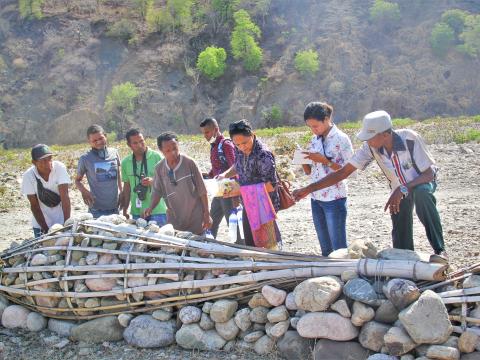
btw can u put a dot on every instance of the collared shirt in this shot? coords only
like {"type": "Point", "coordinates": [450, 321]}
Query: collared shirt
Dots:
{"type": "Point", "coordinates": [338, 148]}
{"type": "Point", "coordinates": [225, 146]}
{"type": "Point", "coordinates": [399, 167]}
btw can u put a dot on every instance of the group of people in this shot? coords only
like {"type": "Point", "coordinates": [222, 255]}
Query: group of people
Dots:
{"type": "Point", "coordinates": [168, 186]}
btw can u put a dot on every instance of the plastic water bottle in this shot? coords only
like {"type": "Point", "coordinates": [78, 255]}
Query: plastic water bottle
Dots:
{"type": "Point", "coordinates": [240, 221]}
{"type": "Point", "coordinates": [208, 234]}
{"type": "Point", "coordinates": [232, 225]}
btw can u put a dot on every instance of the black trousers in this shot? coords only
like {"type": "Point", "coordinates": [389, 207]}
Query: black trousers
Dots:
{"type": "Point", "coordinates": [220, 208]}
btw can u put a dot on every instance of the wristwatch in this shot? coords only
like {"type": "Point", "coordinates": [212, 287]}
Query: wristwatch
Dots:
{"type": "Point", "coordinates": [329, 163]}
{"type": "Point", "coordinates": [404, 190]}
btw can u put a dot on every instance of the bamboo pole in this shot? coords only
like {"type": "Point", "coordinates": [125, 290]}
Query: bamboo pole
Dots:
{"type": "Point", "coordinates": [460, 292]}
{"type": "Point", "coordinates": [467, 319]}
{"type": "Point", "coordinates": [461, 299]}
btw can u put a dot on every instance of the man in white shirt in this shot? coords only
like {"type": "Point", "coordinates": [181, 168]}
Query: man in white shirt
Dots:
{"type": "Point", "coordinates": [410, 169]}
{"type": "Point", "coordinates": [46, 186]}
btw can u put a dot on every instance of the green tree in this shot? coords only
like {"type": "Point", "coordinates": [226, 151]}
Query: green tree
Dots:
{"type": "Point", "coordinates": [384, 13]}
{"type": "Point", "coordinates": [181, 12]}
{"type": "Point", "coordinates": [142, 7]}
{"type": "Point", "coordinates": [120, 104]}
{"type": "Point", "coordinates": [442, 38]}
{"type": "Point", "coordinates": [455, 18]}
{"type": "Point", "coordinates": [211, 62]}
{"type": "Point", "coordinates": [123, 29]}
{"type": "Point", "coordinates": [471, 36]}
{"type": "Point", "coordinates": [273, 117]}
{"type": "Point", "coordinates": [306, 62]}
{"type": "Point", "coordinates": [30, 9]}
{"type": "Point", "coordinates": [243, 42]}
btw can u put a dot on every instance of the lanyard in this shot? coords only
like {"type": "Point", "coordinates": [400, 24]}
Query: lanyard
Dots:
{"type": "Point", "coordinates": [142, 165]}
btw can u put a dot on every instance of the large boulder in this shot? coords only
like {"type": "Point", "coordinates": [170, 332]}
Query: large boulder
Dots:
{"type": "Point", "coordinates": [361, 290]}
{"type": "Point", "coordinates": [223, 310]}
{"type": "Point", "coordinates": [398, 254]}
{"type": "Point", "coordinates": [227, 330]}
{"type": "Point", "coordinates": [15, 316]}
{"type": "Point", "coordinates": [146, 332]}
{"type": "Point", "coordinates": [191, 336]}
{"type": "Point", "coordinates": [98, 330]}
{"type": "Point", "coordinates": [61, 327]}
{"type": "Point", "coordinates": [335, 350]}
{"type": "Point", "coordinates": [317, 294]}
{"type": "Point", "coordinates": [36, 322]}
{"type": "Point", "coordinates": [426, 320]}
{"type": "Point", "coordinates": [293, 346]}
{"type": "Point", "coordinates": [274, 296]}
{"type": "Point", "coordinates": [326, 325]}
{"type": "Point", "coordinates": [401, 292]}
{"type": "Point", "coordinates": [371, 335]}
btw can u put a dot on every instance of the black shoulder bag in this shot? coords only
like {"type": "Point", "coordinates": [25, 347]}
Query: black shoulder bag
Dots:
{"type": "Point", "coordinates": [46, 196]}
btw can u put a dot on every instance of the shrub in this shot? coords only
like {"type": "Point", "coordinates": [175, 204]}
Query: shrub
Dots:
{"type": "Point", "coordinates": [455, 18]}
{"type": "Point", "coordinates": [211, 62]}
{"type": "Point", "coordinates": [273, 117]}
{"type": "Point", "coordinates": [471, 36]}
{"type": "Point", "coordinates": [442, 38]}
{"type": "Point", "coordinates": [385, 13]}
{"type": "Point", "coordinates": [243, 41]}
{"type": "Point", "coordinates": [30, 9]}
{"type": "Point", "coordinates": [306, 62]}
{"type": "Point", "coordinates": [142, 7]}
{"type": "Point", "coordinates": [119, 104]}
{"type": "Point", "coordinates": [123, 29]}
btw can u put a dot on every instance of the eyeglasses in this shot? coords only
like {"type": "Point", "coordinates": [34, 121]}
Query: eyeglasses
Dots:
{"type": "Point", "coordinates": [171, 177]}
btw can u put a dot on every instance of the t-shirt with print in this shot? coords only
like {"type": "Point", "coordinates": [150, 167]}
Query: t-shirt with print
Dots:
{"type": "Point", "coordinates": [101, 168]}
{"type": "Point", "coordinates": [152, 159]}
{"type": "Point", "coordinates": [58, 176]}
{"type": "Point", "coordinates": [338, 148]}
{"type": "Point", "coordinates": [183, 193]}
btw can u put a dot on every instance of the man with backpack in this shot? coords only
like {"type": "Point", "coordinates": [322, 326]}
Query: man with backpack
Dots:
{"type": "Point", "coordinates": [406, 163]}
{"type": "Point", "coordinates": [222, 157]}
{"type": "Point", "coordinates": [45, 184]}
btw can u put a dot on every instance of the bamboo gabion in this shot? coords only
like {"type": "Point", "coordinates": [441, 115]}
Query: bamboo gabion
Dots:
{"type": "Point", "coordinates": [92, 268]}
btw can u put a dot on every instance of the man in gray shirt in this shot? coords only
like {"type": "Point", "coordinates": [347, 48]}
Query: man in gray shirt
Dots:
{"type": "Point", "coordinates": [101, 165]}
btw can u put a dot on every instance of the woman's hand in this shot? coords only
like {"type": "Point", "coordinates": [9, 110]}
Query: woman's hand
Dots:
{"type": "Point", "coordinates": [316, 157]}
{"type": "Point", "coordinates": [299, 194]}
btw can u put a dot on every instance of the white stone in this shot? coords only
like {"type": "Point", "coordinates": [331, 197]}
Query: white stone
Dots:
{"type": "Point", "coordinates": [223, 310]}
{"type": "Point", "coordinates": [398, 342]}
{"type": "Point", "coordinates": [253, 336]}
{"type": "Point", "coordinates": [227, 330]}
{"type": "Point", "coordinates": [326, 325]}
{"type": "Point", "coordinates": [361, 313]}
{"type": "Point", "coordinates": [259, 315]}
{"type": "Point", "coordinates": [371, 335]}
{"type": "Point", "coordinates": [124, 319]}
{"type": "Point", "coordinates": [38, 260]}
{"type": "Point", "coordinates": [264, 345]}
{"type": "Point", "coordinates": [443, 353]}
{"type": "Point", "coordinates": [189, 314]}
{"type": "Point", "coordinates": [61, 327]}
{"type": "Point", "coordinates": [206, 323]}
{"type": "Point", "coordinates": [290, 302]}
{"type": "Point", "coordinates": [36, 322]}
{"type": "Point", "coordinates": [274, 296]}
{"type": "Point", "coordinates": [279, 329]}
{"type": "Point", "coordinates": [162, 315]}
{"type": "Point", "coordinates": [15, 316]}
{"type": "Point", "coordinates": [317, 294]}
{"type": "Point", "coordinates": [341, 307]}
{"type": "Point", "coordinates": [242, 319]}
{"type": "Point", "coordinates": [277, 314]}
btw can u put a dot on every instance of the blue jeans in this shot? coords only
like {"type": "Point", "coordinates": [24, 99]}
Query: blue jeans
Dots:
{"type": "Point", "coordinates": [329, 218]}
{"type": "Point", "coordinates": [97, 213]}
{"type": "Point", "coordinates": [160, 219]}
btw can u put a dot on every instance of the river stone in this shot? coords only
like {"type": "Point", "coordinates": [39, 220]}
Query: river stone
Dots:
{"type": "Point", "coordinates": [401, 292]}
{"type": "Point", "coordinates": [371, 335]}
{"type": "Point", "coordinates": [259, 315]}
{"type": "Point", "coordinates": [471, 282]}
{"type": "Point", "coordinates": [326, 325]}
{"type": "Point", "coordinates": [317, 294]}
{"type": "Point", "coordinates": [348, 275]}
{"type": "Point", "coordinates": [244, 346]}
{"type": "Point", "coordinates": [4, 303]}
{"type": "Point", "coordinates": [407, 357]}
{"type": "Point", "coordinates": [253, 336]}
{"type": "Point", "coordinates": [36, 322]}
{"type": "Point", "coordinates": [264, 345]}
{"type": "Point", "coordinates": [279, 329]}
{"type": "Point", "coordinates": [451, 342]}
{"type": "Point", "coordinates": [189, 314]}
{"type": "Point", "coordinates": [102, 284]}
{"type": "Point", "coordinates": [293, 346]}
{"type": "Point", "coordinates": [334, 350]}
{"type": "Point", "coordinates": [471, 356]}
{"type": "Point", "coordinates": [61, 327]}
{"type": "Point", "coordinates": [475, 313]}
{"type": "Point", "coordinates": [277, 314]}
{"type": "Point", "coordinates": [146, 332]}
{"type": "Point", "coordinates": [386, 313]}
{"type": "Point", "coordinates": [398, 254]}
{"type": "Point", "coordinates": [341, 307]}
{"type": "Point", "coordinates": [359, 249]}
{"type": "Point", "coordinates": [242, 319]}
{"type": "Point", "coordinates": [191, 336]}
{"type": "Point", "coordinates": [274, 296]}
{"type": "Point", "coordinates": [206, 323]}
{"type": "Point", "coordinates": [361, 314]}
{"type": "Point", "coordinates": [227, 330]}
{"type": "Point", "coordinates": [426, 320]}
{"type": "Point", "coordinates": [98, 330]}
{"type": "Point", "coordinates": [15, 316]}
{"type": "Point", "coordinates": [443, 353]}
{"type": "Point", "coordinates": [124, 319]}
{"type": "Point", "coordinates": [39, 260]}
{"type": "Point", "coordinates": [258, 300]}
{"type": "Point", "coordinates": [382, 357]}
{"type": "Point", "coordinates": [223, 310]}
{"type": "Point", "coordinates": [290, 302]}
{"type": "Point", "coordinates": [294, 322]}
{"type": "Point", "coordinates": [468, 341]}
{"type": "Point", "coordinates": [398, 342]}
{"type": "Point", "coordinates": [162, 315]}
{"type": "Point", "coordinates": [92, 258]}
{"type": "Point", "coordinates": [207, 307]}
{"type": "Point", "coordinates": [360, 290]}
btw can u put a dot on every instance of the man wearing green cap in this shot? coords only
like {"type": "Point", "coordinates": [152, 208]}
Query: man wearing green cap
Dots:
{"type": "Point", "coordinates": [410, 170]}
{"type": "Point", "coordinates": [45, 184]}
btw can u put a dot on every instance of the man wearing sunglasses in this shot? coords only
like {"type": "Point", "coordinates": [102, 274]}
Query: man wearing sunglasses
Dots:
{"type": "Point", "coordinates": [178, 180]}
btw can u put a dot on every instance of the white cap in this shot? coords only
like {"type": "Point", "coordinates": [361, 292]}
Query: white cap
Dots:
{"type": "Point", "coordinates": [374, 123]}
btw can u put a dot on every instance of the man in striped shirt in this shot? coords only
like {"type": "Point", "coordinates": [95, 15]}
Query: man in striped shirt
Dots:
{"type": "Point", "coordinates": [410, 169]}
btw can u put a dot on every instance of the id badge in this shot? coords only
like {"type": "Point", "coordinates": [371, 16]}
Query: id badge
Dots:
{"type": "Point", "coordinates": [138, 203]}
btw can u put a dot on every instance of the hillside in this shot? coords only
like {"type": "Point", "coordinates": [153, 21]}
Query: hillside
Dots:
{"type": "Point", "coordinates": [56, 72]}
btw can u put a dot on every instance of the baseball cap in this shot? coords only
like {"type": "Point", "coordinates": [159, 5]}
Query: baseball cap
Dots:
{"type": "Point", "coordinates": [374, 123]}
{"type": "Point", "coordinates": [41, 151]}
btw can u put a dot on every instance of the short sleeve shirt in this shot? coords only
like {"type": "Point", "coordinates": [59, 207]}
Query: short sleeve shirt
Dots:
{"type": "Point", "coordinates": [338, 148]}
{"type": "Point", "coordinates": [58, 176]}
{"type": "Point", "coordinates": [152, 159]}
{"type": "Point", "coordinates": [102, 174]}
{"type": "Point", "coordinates": [399, 167]}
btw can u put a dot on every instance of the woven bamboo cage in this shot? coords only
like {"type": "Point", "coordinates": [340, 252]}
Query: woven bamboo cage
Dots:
{"type": "Point", "coordinates": [95, 268]}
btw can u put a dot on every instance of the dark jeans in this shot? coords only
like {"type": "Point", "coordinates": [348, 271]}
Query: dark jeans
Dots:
{"type": "Point", "coordinates": [329, 218]}
{"type": "Point", "coordinates": [426, 208]}
{"type": "Point", "coordinates": [97, 213]}
{"type": "Point", "coordinates": [220, 208]}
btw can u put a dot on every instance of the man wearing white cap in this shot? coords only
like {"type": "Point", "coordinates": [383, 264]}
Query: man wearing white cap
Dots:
{"type": "Point", "coordinates": [410, 169]}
